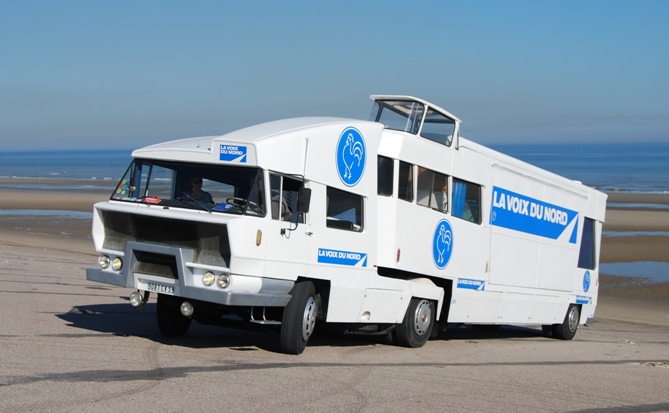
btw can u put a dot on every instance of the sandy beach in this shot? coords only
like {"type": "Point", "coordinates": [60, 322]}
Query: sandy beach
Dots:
{"type": "Point", "coordinates": [620, 298]}
{"type": "Point", "coordinates": [71, 345]}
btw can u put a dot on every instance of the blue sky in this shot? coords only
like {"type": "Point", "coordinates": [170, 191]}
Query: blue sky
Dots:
{"type": "Point", "coordinates": [125, 74]}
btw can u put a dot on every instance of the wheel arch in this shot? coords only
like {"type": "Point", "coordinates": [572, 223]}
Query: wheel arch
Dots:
{"type": "Point", "coordinates": [423, 287]}
{"type": "Point", "coordinates": [322, 294]}
{"type": "Point", "coordinates": [446, 285]}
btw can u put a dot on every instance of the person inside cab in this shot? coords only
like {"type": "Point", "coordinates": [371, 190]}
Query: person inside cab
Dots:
{"type": "Point", "coordinates": [196, 193]}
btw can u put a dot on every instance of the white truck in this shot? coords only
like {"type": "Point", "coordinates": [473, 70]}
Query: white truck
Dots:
{"type": "Point", "coordinates": [393, 226]}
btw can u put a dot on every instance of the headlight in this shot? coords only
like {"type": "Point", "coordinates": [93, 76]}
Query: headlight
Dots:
{"type": "Point", "coordinates": [187, 309]}
{"type": "Point", "coordinates": [136, 299]}
{"type": "Point", "coordinates": [104, 261]}
{"type": "Point", "coordinates": [208, 278]}
{"type": "Point", "coordinates": [223, 280]}
{"type": "Point", "coordinates": [117, 264]}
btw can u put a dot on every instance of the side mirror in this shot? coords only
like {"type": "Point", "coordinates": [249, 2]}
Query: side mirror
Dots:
{"type": "Point", "coordinates": [303, 200]}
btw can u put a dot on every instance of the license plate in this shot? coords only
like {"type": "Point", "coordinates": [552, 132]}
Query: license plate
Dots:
{"type": "Point", "coordinates": [160, 288]}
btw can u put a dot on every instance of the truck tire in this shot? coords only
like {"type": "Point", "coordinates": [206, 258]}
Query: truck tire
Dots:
{"type": "Point", "coordinates": [171, 322]}
{"type": "Point", "coordinates": [567, 330]}
{"type": "Point", "coordinates": [416, 327]}
{"type": "Point", "coordinates": [299, 318]}
{"type": "Point", "coordinates": [547, 330]}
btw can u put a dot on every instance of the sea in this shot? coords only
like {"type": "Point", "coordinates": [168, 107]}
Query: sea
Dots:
{"type": "Point", "coordinates": [632, 168]}
{"type": "Point", "coordinates": [82, 168]}
{"type": "Point", "coordinates": [627, 168]}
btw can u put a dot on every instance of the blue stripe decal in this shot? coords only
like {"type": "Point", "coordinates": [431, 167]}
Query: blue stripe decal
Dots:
{"type": "Point", "coordinates": [582, 299]}
{"type": "Point", "coordinates": [349, 258]}
{"type": "Point", "coordinates": [529, 215]}
{"type": "Point", "coordinates": [469, 284]}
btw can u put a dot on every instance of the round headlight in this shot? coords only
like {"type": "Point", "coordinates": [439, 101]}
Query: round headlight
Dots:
{"type": "Point", "coordinates": [136, 299]}
{"type": "Point", "coordinates": [104, 261]}
{"type": "Point", "coordinates": [208, 278]}
{"type": "Point", "coordinates": [223, 280]}
{"type": "Point", "coordinates": [117, 264]}
{"type": "Point", "coordinates": [187, 309]}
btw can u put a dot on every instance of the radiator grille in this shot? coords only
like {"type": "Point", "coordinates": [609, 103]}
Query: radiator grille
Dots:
{"type": "Point", "coordinates": [209, 241]}
{"type": "Point", "coordinates": [156, 264]}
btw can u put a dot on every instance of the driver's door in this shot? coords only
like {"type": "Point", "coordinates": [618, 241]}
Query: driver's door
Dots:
{"type": "Point", "coordinates": [288, 238]}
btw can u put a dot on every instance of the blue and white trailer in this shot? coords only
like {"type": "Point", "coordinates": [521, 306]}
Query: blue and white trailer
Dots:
{"type": "Point", "coordinates": [393, 226]}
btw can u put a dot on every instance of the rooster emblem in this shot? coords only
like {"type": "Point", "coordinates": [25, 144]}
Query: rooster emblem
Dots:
{"type": "Point", "coordinates": [442, 242]}
{"type": "Point", "coordinates": [353, 151]}
{"type": "Point", "coordinates": [351, 156]}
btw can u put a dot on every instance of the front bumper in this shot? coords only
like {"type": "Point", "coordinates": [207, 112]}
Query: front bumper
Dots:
{"type": "Point", "coordinates": [244, 290]}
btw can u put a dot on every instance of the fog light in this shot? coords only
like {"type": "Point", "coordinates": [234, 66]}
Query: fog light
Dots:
{"type": "Point", "coordinates": [223, 280]}
{"type": "Point", "coordinates": [117, 264]}
{"type": "Point", "coordinates": [187, 309]}
{"type": "Point", "coordinates": [104, 261]}
{"type": "Point", "coordinates": [208, 278]}
{"type": "Point", "coordinates": [136, 299]}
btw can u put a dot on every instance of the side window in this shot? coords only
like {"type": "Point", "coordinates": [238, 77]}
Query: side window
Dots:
{"type": "Point", "coordinates": [256, 202]}
{"type": "Point", "coordinates": [344, 210]}
{"type": "Point", "coordinates": [405, 184]}
{"type": "Point", "coordinates": [586, 257]}
{"type": "Point", "coordinates": [284, 196]}
{"type": "Point", "coordinates": [385, 176]}
{"type": "Point", "coordinates": [438, 128]}
{"type": "Point", "coordinates": [275, 195]}
{"type": "Point", "coordinates": [432, 190]}
{"type": "Point", "coordinates": [466, 201]}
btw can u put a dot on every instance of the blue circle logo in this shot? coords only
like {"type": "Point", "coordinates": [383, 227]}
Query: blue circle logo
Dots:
{"type": "Point", "coordinates": [586, 281]}
{"type": "Point", "coordinates": [442, 244]}
{"type": "Point", "coordinates": [351, 156]}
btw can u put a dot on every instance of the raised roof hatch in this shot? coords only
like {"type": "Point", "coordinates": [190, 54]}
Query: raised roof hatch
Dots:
{"type": "Point", "coordinates": [416, 116]}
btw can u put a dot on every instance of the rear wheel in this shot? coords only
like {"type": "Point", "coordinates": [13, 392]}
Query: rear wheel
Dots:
{"type": "Point", "coordinates": [417, 325]}
{"type": "Point", "coordinates": [567, 330]}
{"type": "Point", "coordinates": [171, 322]}
{"type": "Point", "coordinates": [299, 318]}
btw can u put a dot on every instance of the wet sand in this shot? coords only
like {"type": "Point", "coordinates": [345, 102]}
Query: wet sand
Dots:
{"type": "Point", "coordinates": [620, 298]}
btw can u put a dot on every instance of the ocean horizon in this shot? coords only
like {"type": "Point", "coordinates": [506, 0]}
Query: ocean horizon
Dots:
{"type": "Point", "coordinates": [611, 168]}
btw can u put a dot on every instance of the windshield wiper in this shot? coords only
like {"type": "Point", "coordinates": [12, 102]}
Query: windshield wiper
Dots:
{"type": "Point", "coordinates": [197, 202]}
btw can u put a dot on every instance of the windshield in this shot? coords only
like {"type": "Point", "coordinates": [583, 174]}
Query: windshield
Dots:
{"type": "Point", "coordinates": [214, 188]}
{"type": "Point", "coordinates": [402, 115]}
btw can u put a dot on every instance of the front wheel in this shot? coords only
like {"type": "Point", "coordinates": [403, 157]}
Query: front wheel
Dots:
{"type": "Point", "coordinates": [417, 325]}
{"type": "Point", "coordinates": [299, 318]}
{"type": "Point", "coordinates": [567, 330]}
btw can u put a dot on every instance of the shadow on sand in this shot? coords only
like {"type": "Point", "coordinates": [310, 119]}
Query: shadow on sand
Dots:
{"type": "Point", "coordinates": [123, 320]}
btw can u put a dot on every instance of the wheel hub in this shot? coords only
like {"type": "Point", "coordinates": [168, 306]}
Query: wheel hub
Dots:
{"type": "Point", "coordinates": [309, 320]}
{"type": "Point", "coordinates": [423, 317]}
{"type": "Point", "coordinates": [573, 319]}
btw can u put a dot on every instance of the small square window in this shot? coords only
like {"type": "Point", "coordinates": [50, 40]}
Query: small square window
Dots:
{"type": "Point", "coordinates": [344, 210]}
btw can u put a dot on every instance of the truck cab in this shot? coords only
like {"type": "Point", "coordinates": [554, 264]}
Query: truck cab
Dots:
{"type": "Point", "coordinates": [289, 215]}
